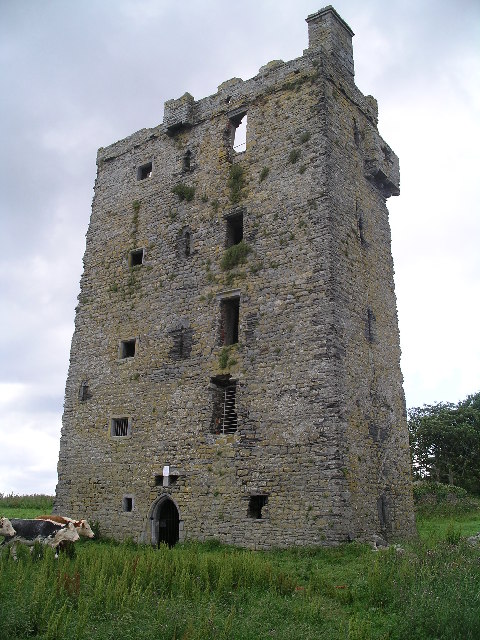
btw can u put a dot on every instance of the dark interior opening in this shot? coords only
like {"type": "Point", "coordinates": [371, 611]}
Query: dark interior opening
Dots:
{"type": "Point", "coordinates": [255, 506]}
{"type": "Point", "coordinates": [128, 348]}
{"type": "Point", "coordinates": [145, 171]}
{"type": "Point", "coordinates": [168, 523]}
{"type": "Point", "coordinates": [136, 257]}
{"type": "Point", "coordinates": [188, 243]}
{"type": "Point", "coordinates": [234, 233]}
{"type": "Point", "coordinates": [128, 503]}
{"type": "Point", "coordinates": [229, 318]}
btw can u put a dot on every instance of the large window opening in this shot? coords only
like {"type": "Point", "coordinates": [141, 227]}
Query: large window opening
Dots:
{"type": "Point", "coordinates": [238, 123]}
{"type": "Point", "coordinates": [255, 506]}
{"type": "Point", "coordinates": [234, 233]}
{"type": "Point", "coordinates": [224, 413]}
{"type": "Point", "coordinates": [229, 318]}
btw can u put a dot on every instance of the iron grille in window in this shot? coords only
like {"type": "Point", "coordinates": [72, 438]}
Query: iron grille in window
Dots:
{"type": "Point", "coordinates": [120, 427]}
{"type": "Point", "coordinates": [224, 417]}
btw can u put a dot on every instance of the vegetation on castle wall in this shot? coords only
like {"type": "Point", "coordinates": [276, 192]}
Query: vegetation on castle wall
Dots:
{"type": "Point", "coordinates": [184, 192]}
{"type": "Point", "coordinates": [235, 255]}
{"type": "Point", "coordinates": [236, 182]}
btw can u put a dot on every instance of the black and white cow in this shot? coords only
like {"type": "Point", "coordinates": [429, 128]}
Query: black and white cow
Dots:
{"type": "Point", "coordinates": [29, 532]}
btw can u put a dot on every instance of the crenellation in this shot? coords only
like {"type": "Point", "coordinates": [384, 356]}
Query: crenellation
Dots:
{"type": "Point", "coordinates": [269, 382]}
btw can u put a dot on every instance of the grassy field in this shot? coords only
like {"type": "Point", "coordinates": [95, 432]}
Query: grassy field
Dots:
{"type": "Point", "coordinates": [431, 589]}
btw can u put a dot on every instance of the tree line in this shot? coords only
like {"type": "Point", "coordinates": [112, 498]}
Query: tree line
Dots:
{"type": "Point", "coordinates": [445, 442]}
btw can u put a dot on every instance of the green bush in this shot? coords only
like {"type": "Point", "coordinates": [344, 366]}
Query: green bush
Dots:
{"type": "Point", "coordinates": [264, 174]}
{"type": "Point", "coordinates": [235, 255]}
{"type": "Point", "coordinates": [294, 156]}
{"type": "Point", "coordinates": [184, 192]}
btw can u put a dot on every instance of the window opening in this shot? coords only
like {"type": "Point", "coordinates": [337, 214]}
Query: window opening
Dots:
{"type": "Point", "coordinates": [234, 229]}
{"type": "Point", "coordinates": [370, 325]}
{"type": "Point", "coordinates": [120, 427]}
{"type": "Point", "coordinates": [136, 257]}
{"type": "Point", "coordinates": [224, 414]}
{"type": "Point", "coordinates": [361, 228]}
{"type": "Point", "coordinates": [127, 503]}
{"type": "Point", "coordinates": [255, 506]}
{"type": "Point", "coordinates": [188, 243]}
{"type": "Point", "coordinates": [229, 318]}
{"type": "Point", "coordinates": [187, 161]}
{"type": "Point", "coordinates": [382, 511]}
{"type": "Point", "coordinates": [84, 393]}
{"type": "Point", "coordinates": [144, 171]}
{"type": "Point", "coordinates": [127, 348]}
{"type": "Point", "coordinates": [238, 132]}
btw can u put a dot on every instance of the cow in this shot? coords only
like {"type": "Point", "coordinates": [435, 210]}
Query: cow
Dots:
{"type": "Point", "coordinates": [29, 532]}
{"type": "Point", "coordinates": [6, 528]}
{"type": "Point", "coordinates": [83, 528]}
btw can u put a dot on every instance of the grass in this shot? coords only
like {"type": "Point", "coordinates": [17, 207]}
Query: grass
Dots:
{"type": "Point", "coordinates": [430, 590]}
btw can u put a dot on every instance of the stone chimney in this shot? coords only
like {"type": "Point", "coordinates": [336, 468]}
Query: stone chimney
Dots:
{"type": "Point", "coordinates": [327, 30]}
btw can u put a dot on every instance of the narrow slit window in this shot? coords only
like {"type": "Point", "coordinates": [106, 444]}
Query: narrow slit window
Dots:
{"type": "Point", "coordinates": [144, 171]}
{"type": "Point", "coordinates": [229, 320]}
{"type": "Point", "coordinates": [255, 506]}
{"type": "Point", "coordinates": [127, 503]}
{"type": "Point", "coordinates": [370, 325]}
{"type": "Point", "coordinates": [136, 257]}
{"type": "Point", "coordinates": [84, 392]}
{"type": "Point", "coordinates": [120, 427]}
{"type": "Point", "coordinates": [187, 239]}
{"type": "Point", "coordinates": [234, 233]}
{"type": "Point", "coordinates": [382, 509]}
{"type": "Point", "coordinates": [187, 161]}
{"type": "Point", "coordinates": [128, 348]}
{"type": "Point", "coordinates": [224, 414]}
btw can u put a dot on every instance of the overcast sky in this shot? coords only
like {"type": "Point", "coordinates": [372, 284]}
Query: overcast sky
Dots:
{"type": "Point", "coordinates": [76, 76]}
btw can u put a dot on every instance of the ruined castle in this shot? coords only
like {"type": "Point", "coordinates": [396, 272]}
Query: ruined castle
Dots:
{"type": "Point", "coordinates": [234, 370]}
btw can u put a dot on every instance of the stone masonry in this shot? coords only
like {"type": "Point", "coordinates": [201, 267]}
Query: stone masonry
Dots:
{"type": "Point", "coordinates": [234, 370]}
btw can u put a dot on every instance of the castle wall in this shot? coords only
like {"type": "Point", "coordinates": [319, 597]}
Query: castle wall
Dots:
{"type": "Point", "coordinates": [320, 431]}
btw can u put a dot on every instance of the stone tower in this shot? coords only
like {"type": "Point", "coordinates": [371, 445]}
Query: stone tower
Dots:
{"type": "Point", "coordinates": [234, 371]}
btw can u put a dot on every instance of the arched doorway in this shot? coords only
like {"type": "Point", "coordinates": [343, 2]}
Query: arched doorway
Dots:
{"type": "Point", "coordinates": [165, 523]}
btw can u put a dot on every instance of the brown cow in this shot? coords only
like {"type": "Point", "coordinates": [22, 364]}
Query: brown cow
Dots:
{"type": "Point", "coordinates": [83, 528]}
